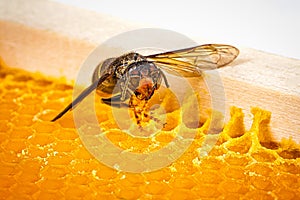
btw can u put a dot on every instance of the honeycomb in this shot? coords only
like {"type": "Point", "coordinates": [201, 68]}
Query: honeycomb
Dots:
{"type": "Point", "coordinates": [40, 159]}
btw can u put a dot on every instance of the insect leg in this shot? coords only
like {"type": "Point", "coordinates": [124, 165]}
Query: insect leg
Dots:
{"type": "Point", "coordinates": [124, 87]}
{"type": "Point", "coordinates": [114, 101]}
{"type": "Point", "coordinates": [117, 100]}
{"type": "Point", "coordinates": [164, 77]}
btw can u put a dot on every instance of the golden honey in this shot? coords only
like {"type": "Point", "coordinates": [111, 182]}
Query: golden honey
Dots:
{"type": "Point", "coordinates": [40, 159]}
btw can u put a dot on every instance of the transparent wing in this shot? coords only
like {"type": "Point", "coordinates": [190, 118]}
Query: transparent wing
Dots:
{"type": "Point", "coordinates": [191, 61]}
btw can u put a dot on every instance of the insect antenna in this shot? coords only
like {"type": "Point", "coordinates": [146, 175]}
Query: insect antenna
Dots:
{"type": "Point", "coordinates": [81, 96]}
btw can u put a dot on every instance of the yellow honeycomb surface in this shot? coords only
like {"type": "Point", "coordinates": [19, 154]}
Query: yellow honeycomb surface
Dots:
{"type": "Point", "coordinates": [40, 159]}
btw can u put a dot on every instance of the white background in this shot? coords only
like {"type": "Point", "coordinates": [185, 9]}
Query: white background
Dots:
{"type": "Point", "coordinates": [269, 25]}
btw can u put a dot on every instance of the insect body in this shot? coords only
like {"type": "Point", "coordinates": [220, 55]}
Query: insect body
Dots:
{"type": "Point", "coordinates": [134, 76]}
{"type": "Point", "coordinates": [129, 74]}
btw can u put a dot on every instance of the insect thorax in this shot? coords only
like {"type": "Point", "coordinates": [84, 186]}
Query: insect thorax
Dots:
{"type": "Point", "coordinates": [122, 64]}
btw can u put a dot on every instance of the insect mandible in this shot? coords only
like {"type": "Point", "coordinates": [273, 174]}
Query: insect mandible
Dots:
{"type": "Point", "coordinates": [138, 75]}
